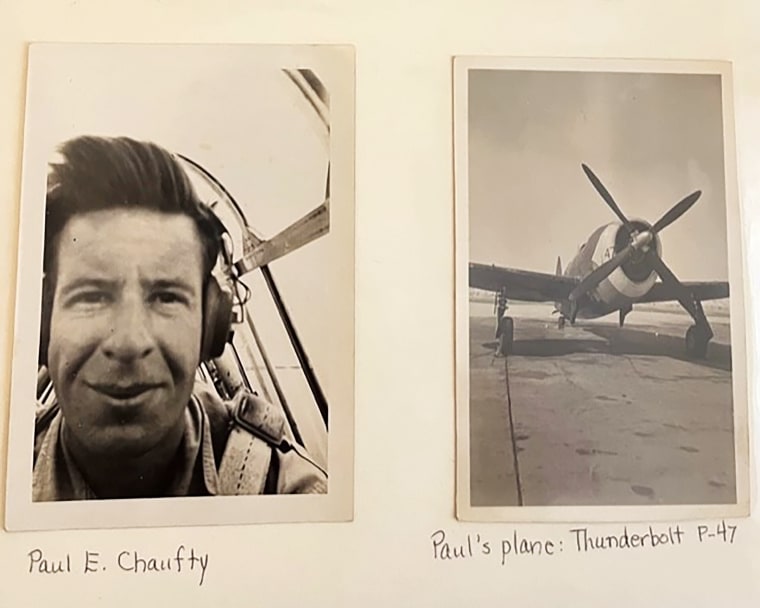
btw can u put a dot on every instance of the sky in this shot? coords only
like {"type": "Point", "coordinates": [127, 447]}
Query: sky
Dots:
{"type": "Point", "coordinates": [651, 139]}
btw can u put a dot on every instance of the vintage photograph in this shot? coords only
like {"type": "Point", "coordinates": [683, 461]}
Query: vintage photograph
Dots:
{"type": "Point", "coordinates": [600, 326]}
{"type": "Point", "coordinates": [186, 260]}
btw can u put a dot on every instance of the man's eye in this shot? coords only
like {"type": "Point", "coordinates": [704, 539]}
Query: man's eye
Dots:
{"type": "Point", "coordinates": [169, 297]}
{"type": "Point", "coordinates": [90, 298]}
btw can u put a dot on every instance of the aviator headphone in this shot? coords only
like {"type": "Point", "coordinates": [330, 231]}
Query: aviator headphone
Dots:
{"type": "Point", "coordinates": [217, 311]}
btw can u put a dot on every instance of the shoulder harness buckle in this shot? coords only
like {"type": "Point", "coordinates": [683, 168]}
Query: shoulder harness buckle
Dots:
{"type": "Point", "coordinates": [262, 419]}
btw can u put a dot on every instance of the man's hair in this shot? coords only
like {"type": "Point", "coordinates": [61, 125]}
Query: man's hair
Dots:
{"type": "Point", "coordinates": [99, 173]}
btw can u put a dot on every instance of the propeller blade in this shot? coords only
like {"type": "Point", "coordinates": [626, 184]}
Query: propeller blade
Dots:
{"type": "Point", "coordinates": [606, 196]}
{"type": "Point", "coordinates": [598, 275]}
{"type": "Point", "coordinates": [311, 226]}
{"type": "Point", "coordinates": [683, 295]}
{"type": "Point", "coordinates": [676, 211]}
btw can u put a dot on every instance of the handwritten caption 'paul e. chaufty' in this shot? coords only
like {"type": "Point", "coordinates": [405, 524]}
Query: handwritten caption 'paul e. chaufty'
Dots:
{"type": "Point", "coordinates": [183, 561]}
{"type": "Point", "coordinates": [447, 547]}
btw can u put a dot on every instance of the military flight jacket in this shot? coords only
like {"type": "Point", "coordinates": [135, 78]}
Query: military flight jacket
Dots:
{"type": "Point", "coordinates": [218, 456]}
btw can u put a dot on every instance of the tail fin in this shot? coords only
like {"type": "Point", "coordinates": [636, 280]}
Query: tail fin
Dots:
{"type": "Point", "coordinates": [559, 267]}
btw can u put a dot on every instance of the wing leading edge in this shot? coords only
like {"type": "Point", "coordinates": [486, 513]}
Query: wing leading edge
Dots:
{"type": "Point", "coordinates": [522, 284]}
{"type": "Point", "coordinates": [702, 290]}
{"type": "Point", "coordinates": [532, 286]}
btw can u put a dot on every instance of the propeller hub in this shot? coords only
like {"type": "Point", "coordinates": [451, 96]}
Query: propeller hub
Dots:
{"type": "Point", "coordinates": [639, 238]}
{"type": "Point", "coordinates": [642, 239]}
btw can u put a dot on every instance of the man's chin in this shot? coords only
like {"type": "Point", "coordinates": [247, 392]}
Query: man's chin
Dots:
{"type": "Point", "coordinates": [125, 442]}
{"type": "Point", "coordinates": [123, 448]}
{"type": "Point", "coordinates": [124, 433]}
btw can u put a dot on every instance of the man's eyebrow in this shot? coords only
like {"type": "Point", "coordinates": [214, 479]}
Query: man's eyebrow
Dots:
{"type": "Point", "coordinates": [179, 284]}
{"type": "Point", "coordinates": [86, 282]}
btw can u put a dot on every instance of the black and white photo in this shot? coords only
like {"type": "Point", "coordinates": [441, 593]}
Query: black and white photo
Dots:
{"type": "Point", "coordinates": [186, 260]}
{"type": "Point", "coordinates": [600, 326]}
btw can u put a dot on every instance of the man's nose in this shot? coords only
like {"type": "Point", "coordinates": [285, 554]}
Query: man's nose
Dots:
{"type": "Point", "coordinates": [130, 336]}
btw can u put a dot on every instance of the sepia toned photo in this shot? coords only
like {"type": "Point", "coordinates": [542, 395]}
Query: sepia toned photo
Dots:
{"type": "Point", "coordinates": [600, 325]}
{"type": "Point", "coordinates": [186, 261]}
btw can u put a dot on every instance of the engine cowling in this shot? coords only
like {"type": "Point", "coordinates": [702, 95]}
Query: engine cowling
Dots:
{"type": "Point", "coordinates": [633, 279]}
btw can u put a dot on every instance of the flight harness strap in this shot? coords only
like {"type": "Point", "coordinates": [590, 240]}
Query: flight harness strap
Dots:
{"type": "Point", "coordinates": [257, 429]}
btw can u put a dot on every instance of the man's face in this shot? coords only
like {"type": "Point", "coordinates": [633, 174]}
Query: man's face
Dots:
{"type": "Point", "coordinates": [125, 328]}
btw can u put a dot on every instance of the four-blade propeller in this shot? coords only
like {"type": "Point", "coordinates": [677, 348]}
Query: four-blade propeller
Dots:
{"type": "Point", "coordinates": [639, 241]}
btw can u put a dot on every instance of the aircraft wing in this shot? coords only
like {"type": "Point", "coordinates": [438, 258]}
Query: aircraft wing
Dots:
{"type": "Point", "coordinates": [522, 284]}
{"type": "Point", "coordinates": [702, 290]}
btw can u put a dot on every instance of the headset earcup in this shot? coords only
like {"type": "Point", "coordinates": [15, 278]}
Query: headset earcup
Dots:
{"type": "Point", "coordinates": [217, 320]}
{"type": "Point", "coordinates": [45, 312]}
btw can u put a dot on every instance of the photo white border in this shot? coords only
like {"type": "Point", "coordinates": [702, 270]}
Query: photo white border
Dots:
{"type": "Point", "coordinates": [608, 513]}
{"type": "Point", "coordinates": [335, 65]}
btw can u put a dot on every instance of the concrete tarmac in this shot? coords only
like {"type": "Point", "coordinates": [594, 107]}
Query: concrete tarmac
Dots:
{"type": "Point", "coordinates": [595, 414]}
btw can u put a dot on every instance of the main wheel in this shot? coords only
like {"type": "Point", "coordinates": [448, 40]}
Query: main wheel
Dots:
{"type": "Point", "coordinates": [506, 335]}
{"type": "Point", "coordinates": [696, 343]}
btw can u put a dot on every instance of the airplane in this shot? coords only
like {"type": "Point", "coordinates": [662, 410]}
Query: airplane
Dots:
{"type": "Point", "coordinates": [616, 268]}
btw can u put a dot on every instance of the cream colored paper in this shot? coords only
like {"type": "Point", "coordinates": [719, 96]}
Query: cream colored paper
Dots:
{"type": "Point", "coordinates": [405, 435]}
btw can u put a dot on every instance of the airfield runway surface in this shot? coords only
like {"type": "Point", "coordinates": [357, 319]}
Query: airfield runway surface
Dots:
{"type": "Point", "coordinates": [600, 415]}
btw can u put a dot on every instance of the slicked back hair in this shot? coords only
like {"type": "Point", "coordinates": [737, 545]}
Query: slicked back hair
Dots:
{"type": "Point", "coordinates": [100, 173]}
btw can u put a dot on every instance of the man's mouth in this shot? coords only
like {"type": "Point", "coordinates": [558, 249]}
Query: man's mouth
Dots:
{"type": "Point", "coordinates": [124, 392]}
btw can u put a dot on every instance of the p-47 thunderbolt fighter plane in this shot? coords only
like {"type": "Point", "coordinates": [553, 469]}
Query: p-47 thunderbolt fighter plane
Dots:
{"type": "Point", "coordinates": [614, 269]}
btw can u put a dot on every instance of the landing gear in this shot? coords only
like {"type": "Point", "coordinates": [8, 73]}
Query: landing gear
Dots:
{"type": "Point", "coordinates": [699, 334]}
{"type": "Point", "coordinates": [696, 341]}
{"type": "Point", "coordinates": [561, 322]}
{"type": "Point", "coordinates": [623, 314]}
{"type": "Point", "coordinates": [505, 326]}
{"type": "Point", "coordinates": [506, 336]}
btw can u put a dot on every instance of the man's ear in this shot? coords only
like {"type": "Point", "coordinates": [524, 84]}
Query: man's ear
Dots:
{"type": "Point", "coordinates": [217, 320]}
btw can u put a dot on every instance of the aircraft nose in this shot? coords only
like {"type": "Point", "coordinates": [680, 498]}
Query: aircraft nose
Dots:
{"type": "Point", "coordinates": [642, 239]}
